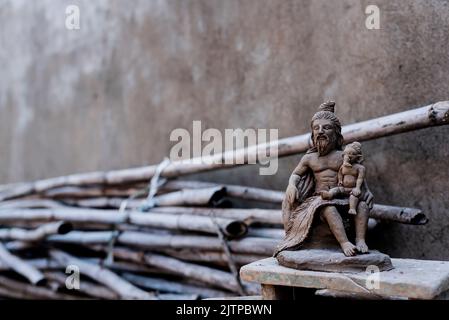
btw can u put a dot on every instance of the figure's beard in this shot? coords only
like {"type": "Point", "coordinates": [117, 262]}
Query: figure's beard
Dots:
{"type": "Point", "coordinates": [324, 144]}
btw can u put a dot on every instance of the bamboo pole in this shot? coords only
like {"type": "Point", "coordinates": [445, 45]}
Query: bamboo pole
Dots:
{"type": "Point", "coordinates": [213, 257]}
{"type": "Point", "coordinates": [38, 234]}
{"type": "Point", "coordinates": [241, 216]}
{"type": "Point", "coordinates": [30, 203]}
{"type": "Point", "coordinates": [28, 225]}
{"type": "Point", "coordinates": [12, 294]}
{"type": "Point", "coordinates": [91, 192]}
{"type": "Point", "coordinates": [191, 197]}
{"type": "Point", "coordinates": [124, 266]}
{"type": "Point", "coordinates": [104, 276]}
{"type": "Point", "coordinates": [207, 275]}
{"type": "Point", "coordinates": [17, 245]}
{"type": "Point", "coordinates": [382, 212]}
{"type": "Point", "coordinates": [273, 216]}
{"type": "Point", "coordinates": [247, 245]}
{"type": "Point", "coordinates": [115, 203]}
{"type": "Point", "coordinates": [431, 115]}
{"type": "Point", "coordinates": [17, 190]}
{"type": "Point", "coordinates": [41, 263]}
{"type": "Point", "coordinates": [21, 267]}
{"type": "Point", "coordinates": [120, 266]}
{"type": "Point", "coordinates": [19, 290]}
{"type": "Point", "coordinates": [103, 202]}
{"type": "Point", "coordinates": [399, 214]}
{"type": "Point", "coordinates": [249, 216]}
{"type": "Point", "coordinates": [232, 228]}
{"type": "Point", "coordinates": [405, 215]}
{"type": "Point", "coordinates": [177, 296]}
{"type": "Point", "coordinates": [248, 193]}
{"type": "Point", "coordinates": [86, 238]}
{"type": "Point", "coordinates": [205, 196]}
{"type": "Point", "coordinates": [274, 233]}
{"type": "Point", "coordinates": [163, 285]}
{"type": "Point", "coordinates": [200, 273]}
{"type": "Point", "coordinates": [86, 287]}
{"type": "Point", "coordinates": [65, 214]}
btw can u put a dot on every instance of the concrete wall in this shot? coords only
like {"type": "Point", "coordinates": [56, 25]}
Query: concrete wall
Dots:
{"type": "Point", "coordinates": [108, 95]}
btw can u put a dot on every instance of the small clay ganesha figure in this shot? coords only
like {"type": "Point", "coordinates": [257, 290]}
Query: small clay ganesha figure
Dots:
{"type": "Point", "coordinates": [350, 177]}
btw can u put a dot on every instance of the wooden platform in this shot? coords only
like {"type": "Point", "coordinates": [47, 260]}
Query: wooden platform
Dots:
{"type": "Point", "coordinates": [412, 279]}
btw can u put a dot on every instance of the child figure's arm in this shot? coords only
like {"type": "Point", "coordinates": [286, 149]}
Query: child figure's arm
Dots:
{"type": "Point", "coordinates": [340, 177]}
{"type": "Point", "coordinates": [360, 178]}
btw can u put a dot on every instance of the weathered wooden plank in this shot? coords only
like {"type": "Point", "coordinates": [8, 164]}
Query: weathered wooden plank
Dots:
{"type": "Point", "coordinates": [416, 279]}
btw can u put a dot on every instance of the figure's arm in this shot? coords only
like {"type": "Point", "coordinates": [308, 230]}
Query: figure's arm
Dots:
{"type": "Point", "coordinates": [302, 166]}
{"type": "Point", "coordinates": [300, 170]}
{"type": "Point", "coordinates": [340, 177]}
{"type": "Point", "coordinates": [368, 196]}
{"type": "Point", "coordinates": [360, 178]}
{"type": "Point", "coordinates": [292, 191]}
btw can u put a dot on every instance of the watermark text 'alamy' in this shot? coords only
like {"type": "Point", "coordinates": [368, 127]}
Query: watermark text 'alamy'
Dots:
{"type": "Point", "coordinates": [234, 147]}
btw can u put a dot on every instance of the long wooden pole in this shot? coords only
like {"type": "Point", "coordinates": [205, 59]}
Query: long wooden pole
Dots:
{"type": "Point", "coordinates": [86, 287]}
{"type": "Point", "coordinates": [40, 233]}
{"type": "Point", "coordinates": [231, 227]}
{"type": "Point", "coordinates": [273, 216]}
{"type": "Point", "coordinates": [122, 287]}
{"type": "Point", "coordinates": [21, 267]}
{"type": "Point", "coordinates": [431, 115]}
{"type": "Point", "coordinates": [399, 214]}
{"type": "Point", "coordinates": [258, 246]}
{"type": "Point", "coordinates": [19, 290]}
{"type": "Point", "coordinates": [187, 218]}
{"type": "Point", "coordinates": [189, 197]}
{"type": "Point", "coordinates": [206, 275]}
{"type": "Point", "coordinates": [213, 257]}
{"type": "Point", "coordinates": [236, 191]}
{"type": "Point", "coordinates": [163, 285]}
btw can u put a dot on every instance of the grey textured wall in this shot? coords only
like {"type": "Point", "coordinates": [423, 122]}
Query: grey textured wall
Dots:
{"type": "Point", "coordinates": [108, 95]}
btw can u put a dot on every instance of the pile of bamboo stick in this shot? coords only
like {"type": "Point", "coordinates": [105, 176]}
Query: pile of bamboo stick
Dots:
{"type": "Point", "coordinates": [185, 247]}
{"type": "Point", "coordinates": [184, 241]}
{"type": "Point", "coordinates": [188, 245]}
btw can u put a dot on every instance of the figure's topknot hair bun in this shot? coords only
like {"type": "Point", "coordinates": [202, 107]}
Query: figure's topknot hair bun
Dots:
{"type": "Point", "coordinates": [327, 106]}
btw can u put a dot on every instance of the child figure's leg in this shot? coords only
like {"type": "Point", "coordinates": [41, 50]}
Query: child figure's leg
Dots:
{"type": "Point", "coordinates": [353, 202]}
{"type": "Point", "coordinates": [332, 193]}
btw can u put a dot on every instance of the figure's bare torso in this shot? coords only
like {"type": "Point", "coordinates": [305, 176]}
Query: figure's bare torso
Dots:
{"type": "Point", "coordinates": [325, 169]}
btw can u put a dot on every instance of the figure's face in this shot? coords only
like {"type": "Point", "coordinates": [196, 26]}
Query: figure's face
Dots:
{"type": "Point", "coordinates": [350, 156]}
{"type": "Point", "coordinates": [324, 135]}
{"type": "Point", "coordinates": [322, 127]}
